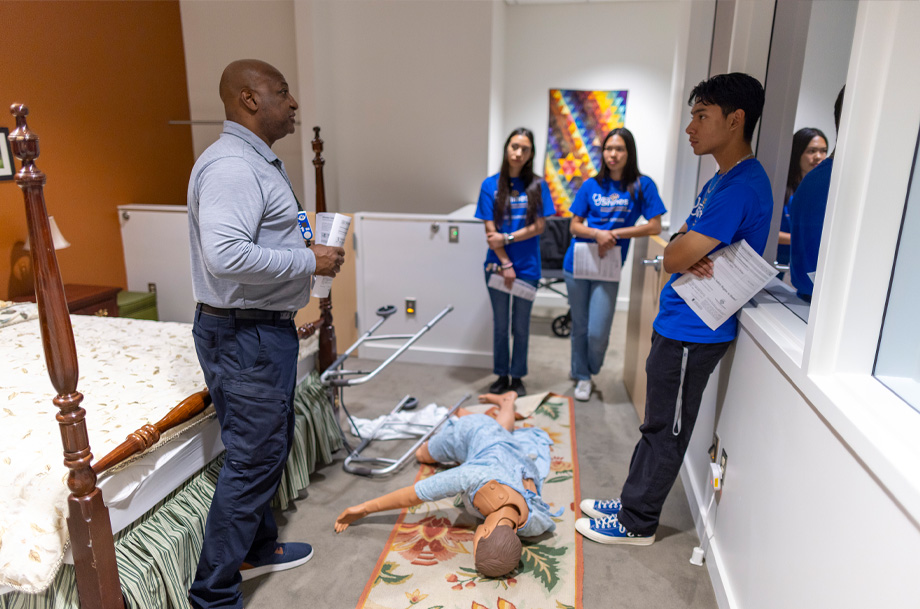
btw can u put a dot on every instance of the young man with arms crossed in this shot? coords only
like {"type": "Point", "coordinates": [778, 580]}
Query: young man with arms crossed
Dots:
{"type": "Point", "coordinates": [735, 204]}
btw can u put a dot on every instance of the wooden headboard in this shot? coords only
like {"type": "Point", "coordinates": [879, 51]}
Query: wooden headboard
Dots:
{"type": "Point", "coordinates": [88, 520]}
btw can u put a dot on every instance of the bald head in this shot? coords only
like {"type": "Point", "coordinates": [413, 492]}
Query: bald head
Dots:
{"type": "Point", "coordinates": [255, 95]}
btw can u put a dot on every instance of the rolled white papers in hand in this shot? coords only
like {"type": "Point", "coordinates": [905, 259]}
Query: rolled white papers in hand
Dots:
{"type": "Point", "coordinates": [331, 230]}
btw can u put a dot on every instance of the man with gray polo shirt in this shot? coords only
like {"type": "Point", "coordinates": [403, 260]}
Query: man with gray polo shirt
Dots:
{"type": "Point", "coordinates": [251, 272]}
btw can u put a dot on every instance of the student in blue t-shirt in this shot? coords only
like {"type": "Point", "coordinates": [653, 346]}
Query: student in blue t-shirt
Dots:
{"type": "Point", "coordinates": [605, 212]}
{"type": "Point", "coordinates": [737, 203]}
{"type": "Point", "coordinates": [806, 219]}
{"type": "Point", "coordinates": [513, 203]}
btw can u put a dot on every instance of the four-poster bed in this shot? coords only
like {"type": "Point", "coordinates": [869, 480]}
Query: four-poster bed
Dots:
{"type": "Point", "coordinates": [90, 527]}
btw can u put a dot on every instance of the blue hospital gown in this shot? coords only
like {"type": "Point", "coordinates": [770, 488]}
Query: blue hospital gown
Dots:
{"type": "Point", "coordinates": [487, 451]}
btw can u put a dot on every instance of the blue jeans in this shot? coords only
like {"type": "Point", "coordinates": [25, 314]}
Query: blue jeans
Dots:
{"type": "Point", "coordinates": [517, 316]}
{"type": "Point", "coordinates": [592, 304]}
{"type": "Point", "coordinates": [250, 368]}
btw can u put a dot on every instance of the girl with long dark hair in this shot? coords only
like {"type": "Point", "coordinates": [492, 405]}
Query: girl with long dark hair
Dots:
{"type": "Point", "coordinates": [809, 148]}
{"type": "Point", "coordinates": [512, 204]}
{"type": "Point", "coordinates": [605, 212]}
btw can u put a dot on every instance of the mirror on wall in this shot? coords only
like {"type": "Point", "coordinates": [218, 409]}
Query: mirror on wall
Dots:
{"type": "Point", "coordinates": [827, 52]}
{"type": "Point", "coordinates": [897, 363]}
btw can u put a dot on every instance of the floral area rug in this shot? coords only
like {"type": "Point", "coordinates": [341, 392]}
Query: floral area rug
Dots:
{"type": "Point", "coordinates": [428, 560]}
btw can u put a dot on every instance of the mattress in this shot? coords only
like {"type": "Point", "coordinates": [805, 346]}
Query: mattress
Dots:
{"type": "Point", "coordinates": [131, 372]}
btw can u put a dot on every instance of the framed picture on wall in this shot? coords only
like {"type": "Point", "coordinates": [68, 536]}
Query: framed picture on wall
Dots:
{"type": "Point", "coordinates": [6, 156]}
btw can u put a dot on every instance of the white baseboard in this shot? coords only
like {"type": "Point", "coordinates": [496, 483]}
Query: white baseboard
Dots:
{"type": "Point", "coordinates": [699, 498]}
{"type": "Point", "coordinates": [429, 355]}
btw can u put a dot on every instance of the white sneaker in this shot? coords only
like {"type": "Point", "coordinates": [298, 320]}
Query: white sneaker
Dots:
{"type": "Point", "coordinates": [583, 390]}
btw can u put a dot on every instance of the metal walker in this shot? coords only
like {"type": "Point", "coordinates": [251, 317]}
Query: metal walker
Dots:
{"type": "Point", "coordinates": [336, 378]}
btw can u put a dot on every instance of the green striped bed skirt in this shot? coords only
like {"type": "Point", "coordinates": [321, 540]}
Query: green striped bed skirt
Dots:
{"type": "Point", "coordinates": [158, 554]}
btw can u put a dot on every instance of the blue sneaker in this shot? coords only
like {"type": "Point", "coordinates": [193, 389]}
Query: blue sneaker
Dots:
{"type": "Point", "coordinates": [600, 508]}
{"type": "Point", "coordinates": [286, 556]}
{"type": "Point", "coordinates": [609, 530]}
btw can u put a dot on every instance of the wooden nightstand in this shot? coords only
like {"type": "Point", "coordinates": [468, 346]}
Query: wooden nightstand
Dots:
{"type": "Point", "coordinates": [86, 299]}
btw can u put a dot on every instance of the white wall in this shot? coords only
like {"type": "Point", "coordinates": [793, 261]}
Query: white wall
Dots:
{"type": "Point", "coordinates": [801, 521]}
{"type": "Point", "coordinates": [220, 31]}
{"type": "Point", "coordinates": [593, 46]}
{"type": "Point", "coordinates": [402, 92]}
{"type": "Point", "coordinates": [827, 57]}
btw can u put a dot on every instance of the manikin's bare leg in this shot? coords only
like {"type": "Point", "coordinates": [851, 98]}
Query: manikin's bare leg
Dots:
{"type": "Point", "coordinates": [505, 403]}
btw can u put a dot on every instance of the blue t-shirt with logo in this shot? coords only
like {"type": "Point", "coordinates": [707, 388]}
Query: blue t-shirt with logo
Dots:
{"type": "Point", "coordinates": [609, 205]}
{"type": "Point", "coordinates": [807, 223]}
{"type": "Point", "coordinates": [739, 206]}
{"type": "Point", "coordinates": [524, 254]}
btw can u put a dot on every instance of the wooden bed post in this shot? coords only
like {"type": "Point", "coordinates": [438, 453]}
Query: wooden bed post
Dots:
{"type": "Point", "coordinates": [327, 346]}
{"type": "Point", "coordinates": [88, 520]}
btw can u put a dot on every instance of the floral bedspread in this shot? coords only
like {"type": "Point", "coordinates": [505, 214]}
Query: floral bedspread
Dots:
{"type": "Point", "coordinates": [131, 372]}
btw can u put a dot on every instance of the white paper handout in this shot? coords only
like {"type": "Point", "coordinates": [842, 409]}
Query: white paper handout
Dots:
{"type": "Point", "coordinates": [738, 273]}
{"type": "Point", "coordinates": [518, 288]}
{"type": "Point", "coordinates": [331, 230]}
{"type": "Point", "coordinates": [588, 263]}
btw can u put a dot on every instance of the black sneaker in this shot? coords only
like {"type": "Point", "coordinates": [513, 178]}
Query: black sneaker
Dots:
{"type": "Point", "coordinates": [517, 385]}
{"type": "Point", "coordinates": [500, 385]}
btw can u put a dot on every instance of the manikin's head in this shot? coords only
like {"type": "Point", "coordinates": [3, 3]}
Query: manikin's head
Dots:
{"type": "Point", "coordinates": [496, 545]}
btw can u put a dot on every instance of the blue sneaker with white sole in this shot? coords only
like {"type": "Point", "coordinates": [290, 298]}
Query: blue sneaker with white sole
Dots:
{"type": "Point", "coordinates": [610, 531]}
{"type": "Point", "coordinates": [286, 556]}
{"type": "Point", "coordinates": [600, 508]}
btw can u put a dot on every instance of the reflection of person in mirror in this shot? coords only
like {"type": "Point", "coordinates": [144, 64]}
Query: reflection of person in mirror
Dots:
{"type": "Point", "coordinates": [512, 204]}
{"type": "Point", "coordinates": [809, 148]}
{"type": "Point", "coordinates": [605, 211]}
{"type": "Point", "coordinates": [806, 218]}
{"type": "Point", "coordinates": [736, 203]}
{"type": "Point", "coordinates": [499, 478]}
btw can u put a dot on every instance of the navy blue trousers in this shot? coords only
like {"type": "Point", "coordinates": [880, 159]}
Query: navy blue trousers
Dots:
{"type": "Point", "coordinates": [250, 368]}
{"type": "Point", "coordinates": [676, 380]}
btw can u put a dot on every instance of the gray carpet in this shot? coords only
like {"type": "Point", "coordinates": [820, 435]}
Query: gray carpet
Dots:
{"type": "Point", "coordinates": [607, 428]}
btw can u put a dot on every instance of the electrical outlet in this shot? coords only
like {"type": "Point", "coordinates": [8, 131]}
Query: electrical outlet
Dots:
{"type": "Point", "coordinates": [152, 287]}
{"type": "Point", "coordinates": [410, 306]}
{"type": "Point", "coordinates": [723, 464]}
{"type": "Point", "coordinates": [714, 447]}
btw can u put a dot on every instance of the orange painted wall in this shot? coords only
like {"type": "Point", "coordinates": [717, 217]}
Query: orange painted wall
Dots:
{"type": "Point", "coordinates": [102, 80]}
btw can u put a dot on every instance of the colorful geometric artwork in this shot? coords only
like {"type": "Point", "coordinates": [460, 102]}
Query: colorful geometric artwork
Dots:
{"type": "Point", "coordinates": [578, 122]}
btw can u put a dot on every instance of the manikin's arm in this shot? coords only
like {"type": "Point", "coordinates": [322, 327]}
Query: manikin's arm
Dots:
{"type": "Point", "coordinates": [403, 498]}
